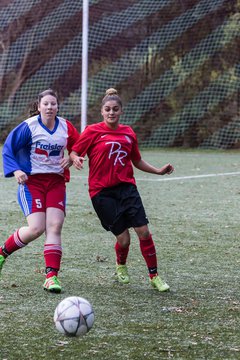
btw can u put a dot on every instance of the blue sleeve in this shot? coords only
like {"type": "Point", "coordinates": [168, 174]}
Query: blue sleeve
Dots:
{"type": "Point", "coordinates": [16, 150]}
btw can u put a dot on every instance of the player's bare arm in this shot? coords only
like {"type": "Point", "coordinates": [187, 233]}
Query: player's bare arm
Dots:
{"type": "Point", "coordinates": [146, 167]}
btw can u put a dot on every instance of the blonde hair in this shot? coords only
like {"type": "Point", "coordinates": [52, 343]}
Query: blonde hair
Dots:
{"type": "Point", "coordinates": [111, 94]}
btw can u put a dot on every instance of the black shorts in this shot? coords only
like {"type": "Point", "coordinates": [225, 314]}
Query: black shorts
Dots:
{"type": "Point", "coordinates": [119, 208]}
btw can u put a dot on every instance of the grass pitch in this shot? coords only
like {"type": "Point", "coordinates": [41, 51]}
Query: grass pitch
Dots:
{"type": "Point", "coordinates": [195, 226]}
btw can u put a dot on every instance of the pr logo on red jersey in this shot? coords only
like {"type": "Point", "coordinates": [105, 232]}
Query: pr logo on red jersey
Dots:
{"type": "Point", "coordinates": [117, 152]}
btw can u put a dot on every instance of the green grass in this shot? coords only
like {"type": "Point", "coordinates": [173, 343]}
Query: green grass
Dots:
{"type": "Point", "coordinates": [195, 225]}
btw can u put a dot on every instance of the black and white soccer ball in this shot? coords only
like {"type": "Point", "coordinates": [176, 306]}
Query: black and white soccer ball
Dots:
{"type": "Point", "coordinates": [74, 316]}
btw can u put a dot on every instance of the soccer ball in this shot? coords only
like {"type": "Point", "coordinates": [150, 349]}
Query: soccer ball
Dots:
{"type": "Point", "coordinates": [74, 316]}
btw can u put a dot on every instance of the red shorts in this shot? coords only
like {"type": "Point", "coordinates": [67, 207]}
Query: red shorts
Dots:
{"type": "Point", "coordinates": [42, 191]}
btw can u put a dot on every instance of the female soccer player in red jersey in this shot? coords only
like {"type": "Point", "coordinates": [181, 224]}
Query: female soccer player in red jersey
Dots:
{"type": "Point", "coordinates": [34, 153]}
{"type": "Point", "coordinates": [112, 148]}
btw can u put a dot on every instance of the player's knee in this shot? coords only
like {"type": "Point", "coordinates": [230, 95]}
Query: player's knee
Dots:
{"type": "Point", "coordinates": [143, 233]}
{"type": "Point", "coordinates": [54, 227]}
{"type": "Point", "coordinates": [36, 231]}
{"type": "Point", "coordinates": [124, 240]}
{"type": "Point", "coordinates": [124, 243]}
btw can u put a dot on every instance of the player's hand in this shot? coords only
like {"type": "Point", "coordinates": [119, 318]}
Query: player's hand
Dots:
{"type": "Point", "coordinates": [78, 162]}
{"type": "Point", "coordinates": [66, 162]}
{"type": "Point", "coordinates": [20, 176]}
{"type": "Point", "coordinates": [166, 169]}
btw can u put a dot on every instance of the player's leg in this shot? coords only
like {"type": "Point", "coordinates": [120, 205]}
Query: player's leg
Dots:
{"type": "Point", "coordinates": [148, 251]}
{"type": "Point", "coordinates": [136, 218]}
{"type": "Point", "coordinates": [24, 235]}
{"type": "Point", "coordinates": [106, 205]}
{"type": "Point", "coordinates": [122, 249]}
{"type": "Point", "coordinates": [55, 214]}
{"type": "Point", "coordinates": [53, 248]}
{"type": "Point", "coordinates": [147, 248]}
{"type": "Point", "coordinates": [35, 219]}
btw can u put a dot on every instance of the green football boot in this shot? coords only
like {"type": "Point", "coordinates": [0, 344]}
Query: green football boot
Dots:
{"type": "Point", "coordinates": [2, 261]}
{"type": "Point", "coordinates": [52, 284]}
{"type": "Point", "coordinates": [158, 284]}
{"type": "Point", "coordinates": [122, 274]}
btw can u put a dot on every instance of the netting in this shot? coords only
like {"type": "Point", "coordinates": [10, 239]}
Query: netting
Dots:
{"type": "Point", "coordinates": [175, 64]}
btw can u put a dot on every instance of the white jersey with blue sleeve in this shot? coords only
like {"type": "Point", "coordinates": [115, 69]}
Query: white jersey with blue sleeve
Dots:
{"type": "Point", "coordinates": [34, 149]}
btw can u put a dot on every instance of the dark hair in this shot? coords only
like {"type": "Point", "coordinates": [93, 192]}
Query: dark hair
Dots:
{"type": "Point", "coordinates": [111, 94]}
{"type": "Point", "coordinates": [34, 107]}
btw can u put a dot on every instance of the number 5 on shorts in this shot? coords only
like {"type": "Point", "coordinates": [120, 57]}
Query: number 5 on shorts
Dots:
{"type": "Point", "coordinates": [38, 203]}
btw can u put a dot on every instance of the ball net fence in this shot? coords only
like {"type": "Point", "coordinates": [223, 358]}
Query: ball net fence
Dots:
{"type": "Point", "coordinates": [175, 64]}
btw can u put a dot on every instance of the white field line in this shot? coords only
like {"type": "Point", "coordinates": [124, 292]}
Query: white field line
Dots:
{"type": "Point", "coordinates": [190, 177]}
{"type": "Point", "coordinates": [175, 178]}
{"type": "Point", "coordinates": [167, 178]}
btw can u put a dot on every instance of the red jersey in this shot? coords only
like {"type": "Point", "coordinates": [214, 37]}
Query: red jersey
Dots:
{"type": "Point", "coordinates": [110, 153]}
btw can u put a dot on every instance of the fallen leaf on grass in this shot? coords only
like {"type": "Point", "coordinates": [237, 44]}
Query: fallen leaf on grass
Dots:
{"type": "Point", "coordinates": [62, 343]}
{"type": "Point", "coordinates": [100, 258]}
{"type": "Point", "coordinates": [208, 338]}
{"type": "Point", "coordinates": [39, 271]}
{"type": "Point", "coordinates": [173, 309]}
{"type": "Point", "coordinates": [234, 308]}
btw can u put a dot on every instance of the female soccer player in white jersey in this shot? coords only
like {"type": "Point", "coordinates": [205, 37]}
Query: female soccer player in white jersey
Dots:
{"type": "Point", "coordinates": [112, 148]}
{"type": "Point", "coordinates": [34, 153]}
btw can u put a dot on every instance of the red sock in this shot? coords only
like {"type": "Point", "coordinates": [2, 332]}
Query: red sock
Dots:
{"type": "Point", "coordinates": [52, 256]}
{"type": "Point", "coordinates": [149, 253]}
{"type": "Point", "coordinates": [12, 244]}
{"type": "Point", "coordinates": [121, 254]}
